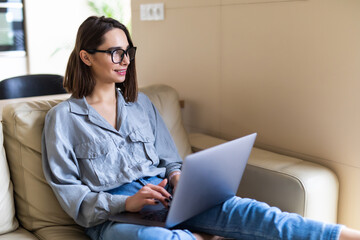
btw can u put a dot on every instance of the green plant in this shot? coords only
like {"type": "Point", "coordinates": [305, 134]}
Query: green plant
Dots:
{"type": "Point", "coordinates": [117, 9]}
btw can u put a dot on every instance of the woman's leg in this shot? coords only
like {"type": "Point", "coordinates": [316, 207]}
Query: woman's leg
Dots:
{"type": "Point", "coordinates": [248, 219]}
{"type": "Point", "coordinates": [113, 231]}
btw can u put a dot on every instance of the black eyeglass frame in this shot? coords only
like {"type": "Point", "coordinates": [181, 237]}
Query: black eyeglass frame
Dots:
{"type": "Point", "coordinates": [91, 51]}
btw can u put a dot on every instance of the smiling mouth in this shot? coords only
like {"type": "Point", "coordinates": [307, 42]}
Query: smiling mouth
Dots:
{"type": "Point", "coordinates": [121, 72]}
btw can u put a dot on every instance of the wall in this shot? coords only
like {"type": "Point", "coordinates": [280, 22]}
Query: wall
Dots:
{"type": "Point", "coordinates": [288, 70]}
{"type": "Point", "coordinates": [51, 28]}
{"type": "Point", "coordinates": [12, 66]}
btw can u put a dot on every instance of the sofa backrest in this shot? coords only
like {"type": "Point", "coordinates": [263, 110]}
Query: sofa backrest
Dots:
{"type": "Point", "coordinates": [36, 205]}
{"type": "Point", "coordinates": [166, 101]}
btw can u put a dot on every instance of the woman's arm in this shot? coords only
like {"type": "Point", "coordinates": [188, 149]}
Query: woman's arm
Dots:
{"type": "Point", "coordinates": [174, 179]}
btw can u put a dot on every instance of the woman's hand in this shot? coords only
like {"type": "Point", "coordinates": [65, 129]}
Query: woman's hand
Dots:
{"type": "Point", "coordinates": [148, 195]}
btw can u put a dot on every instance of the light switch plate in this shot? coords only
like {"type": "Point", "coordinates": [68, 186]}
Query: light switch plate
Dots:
{"type": "Point", "coordinates": [152, 12]}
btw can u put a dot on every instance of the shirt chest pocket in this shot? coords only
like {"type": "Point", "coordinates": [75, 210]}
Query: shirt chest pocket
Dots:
{"type": "Point", "coordinates": [99, 161]}
{"type": "Point", "coordinates": [142, 146]}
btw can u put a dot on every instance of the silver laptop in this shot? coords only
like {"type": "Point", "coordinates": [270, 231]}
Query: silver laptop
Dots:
{"type": "Point", "coordinates": [208, 178]}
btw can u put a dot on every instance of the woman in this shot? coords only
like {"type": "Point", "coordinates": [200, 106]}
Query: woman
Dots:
{"type": "Point", "coordinates": [106, 150]}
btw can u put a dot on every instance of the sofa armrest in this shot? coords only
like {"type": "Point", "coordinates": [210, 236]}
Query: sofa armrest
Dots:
{"type": "Point", "coordinates": [291, 184]}
{"type": "Point", "coordinates": [199, 141]}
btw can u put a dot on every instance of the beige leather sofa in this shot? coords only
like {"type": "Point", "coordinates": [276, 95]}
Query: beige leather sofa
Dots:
{"type": "Point", "coordinates": [29, 209]}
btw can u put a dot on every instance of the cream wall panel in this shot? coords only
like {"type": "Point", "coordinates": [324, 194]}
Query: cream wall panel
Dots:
{"type": "Point", "coordinates": [294, 78]}
{"type": "Point", "coordinates": [177, 53]}
{"type": "Point", "coordinates": [237, 2]}
{"type": "Point", "coordinates": [135, 4]}
{"type": "Point", "coordinates": [288, 70]}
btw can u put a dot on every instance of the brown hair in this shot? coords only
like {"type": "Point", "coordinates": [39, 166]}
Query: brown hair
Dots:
{"type": "Point", "coordinates": [78, 79]}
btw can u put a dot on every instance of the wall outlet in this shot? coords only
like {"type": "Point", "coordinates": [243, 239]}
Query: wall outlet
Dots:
{"type": "Point", "coordinates": [152, 12]}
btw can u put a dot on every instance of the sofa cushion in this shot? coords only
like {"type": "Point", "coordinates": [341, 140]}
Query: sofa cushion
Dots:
{"type": "Point", "coordinates": [62, 233]}
{"type": "Point", "coordinates": [8, 221]}
{"type": "Point", "coordinates": [19, 234]}
{"type": "Point", "coordinates": [37, 206]}
{"type": "Point", "coordinates": [5, 102]}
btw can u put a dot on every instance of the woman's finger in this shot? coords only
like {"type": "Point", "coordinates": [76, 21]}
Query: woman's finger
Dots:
{"type": "Point", "coordinates": [163, 183]}
{"type": "Point", "coordinates": [151, 202]}
{"type": "Point", "coordinates": [160, 189]}
{"type": "Point", "coordinates": [158, 196]}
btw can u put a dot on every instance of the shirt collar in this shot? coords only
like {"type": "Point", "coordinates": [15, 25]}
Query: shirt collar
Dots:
{"type": "Point", "coordinates": [78, 106]}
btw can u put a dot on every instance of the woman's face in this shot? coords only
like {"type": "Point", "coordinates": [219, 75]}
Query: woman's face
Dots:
{"type": "Point", "coordinates": [102, 67]}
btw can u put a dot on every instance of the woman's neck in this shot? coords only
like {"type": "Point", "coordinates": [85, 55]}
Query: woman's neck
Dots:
{"type": "Point", "coordinates": [103, 100]}
{"type": "Point", "coordinates": [105, 94]}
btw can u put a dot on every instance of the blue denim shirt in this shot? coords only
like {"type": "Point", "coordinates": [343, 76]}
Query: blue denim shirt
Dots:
{"type": "Point", "coordinates": [84, 156]}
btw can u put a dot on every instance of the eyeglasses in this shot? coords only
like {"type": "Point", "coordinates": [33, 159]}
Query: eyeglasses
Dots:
{"type": "Point", "coordinates": [117, 55]}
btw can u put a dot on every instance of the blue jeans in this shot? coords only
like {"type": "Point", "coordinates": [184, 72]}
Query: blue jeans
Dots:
{"type": "Point", "coordinates": [238, 218]}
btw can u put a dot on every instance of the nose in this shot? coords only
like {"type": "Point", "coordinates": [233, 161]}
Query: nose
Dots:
{"type": "Point", "coordinates": [126, 60]}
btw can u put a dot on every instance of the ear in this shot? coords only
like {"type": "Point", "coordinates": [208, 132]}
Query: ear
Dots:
{"type": "Point", "coordinates": [85, 57]}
